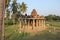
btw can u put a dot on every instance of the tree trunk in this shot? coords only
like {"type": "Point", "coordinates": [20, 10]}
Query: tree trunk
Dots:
{"type": "Point", "coordinates": [1, 19]}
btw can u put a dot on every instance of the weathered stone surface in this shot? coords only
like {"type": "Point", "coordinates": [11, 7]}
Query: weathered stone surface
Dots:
{"type": "Point", "coordinates": [35, 23]}
{"type": "Point", "coordinates": [34, 13]}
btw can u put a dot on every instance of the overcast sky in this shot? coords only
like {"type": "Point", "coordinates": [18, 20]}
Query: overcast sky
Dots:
{"type": "Point", "coordinates": [43, 7]}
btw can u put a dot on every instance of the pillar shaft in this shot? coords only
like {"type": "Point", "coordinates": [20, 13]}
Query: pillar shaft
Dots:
{"type": "Point", "coordinates": [36, 23]}
{"type": "Point", "coordinates": [20, 23]}
{"type": "Point", "coordinates": [39, 23]}
{"type": "Point", "coordinates": [28, 22]}
{"type": "Point", "coordinates": [33, 23]}
{"type": "Point", "coordinates": [44, 23]}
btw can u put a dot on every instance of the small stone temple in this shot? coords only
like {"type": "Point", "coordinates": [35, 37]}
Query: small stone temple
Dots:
{"type": "Point", "coordinates": [31, 23]}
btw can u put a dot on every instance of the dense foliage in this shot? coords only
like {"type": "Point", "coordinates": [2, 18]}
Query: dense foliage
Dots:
{"type": "Point", "coordinates": [14, 10]}
{"type": "Point", "coordinates": [53, 17]}
{"type": "Point", "coordinates": [8, 22]}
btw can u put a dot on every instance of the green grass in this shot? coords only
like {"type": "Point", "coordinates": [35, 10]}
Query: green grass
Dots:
{"type": "Point", "coordinates": [12, 33]}
{"type": "Point", "coordinates": [45, 36]}
{"type": "Point", "coordinates": [53, 23]}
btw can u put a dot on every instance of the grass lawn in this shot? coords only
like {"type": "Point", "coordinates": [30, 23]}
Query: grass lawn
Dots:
{"type": "Point", "coordinates": [53, 23]}
{"type": "Point", "coordinates": [11, 33]}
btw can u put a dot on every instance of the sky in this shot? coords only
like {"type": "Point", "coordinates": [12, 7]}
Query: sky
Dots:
{"type": "Point", "coordinates": [43, 7]}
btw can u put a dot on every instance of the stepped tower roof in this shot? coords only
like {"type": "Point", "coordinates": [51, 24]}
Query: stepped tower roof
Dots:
{"type": "Point", "coordinates": [34, 13]}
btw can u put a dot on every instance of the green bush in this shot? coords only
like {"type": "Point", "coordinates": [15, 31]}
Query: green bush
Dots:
{"type": "Point", "coordinates": [8, 22]}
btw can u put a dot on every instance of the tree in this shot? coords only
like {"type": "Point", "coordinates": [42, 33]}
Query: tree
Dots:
{"type": "Point", "coordinates": [14, 10]}
{"type": "Point", "coordinates": [7, 14]}
{"type": "Point", "coordinates": [14, 6]}
{"type": "Point", "coordinates": [7, 3]}
{"type": "Point", "coordinates": [2, 9]}
{"type": "Point", "coordinates": [23, 7]}
{"type": "Point", "coordinates": [1, 20]}
{"type": "Point", "coordinates": [52, 17]}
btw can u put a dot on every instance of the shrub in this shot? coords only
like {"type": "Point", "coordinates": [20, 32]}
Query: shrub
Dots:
{"type": "Point", "coordinates": [8, 22]}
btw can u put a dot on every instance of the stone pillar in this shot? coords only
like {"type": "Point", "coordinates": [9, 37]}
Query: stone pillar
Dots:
{"type": "Point", "coordinates": [28, 22]}
{"type": "Point", "coordinates": [20, 23]}
{"type": "Point", "coordinates": [39, 23]}
{"type": "Point", "coordinates": [23, 24]}
{"type": "Point", "coordinates": [33, 23]}
{"type": "Point", "coordinates": [36, 23]}
{"type": "Point", "coordinates": [44, 23]}
{"type": "Point", "coordinates": [19, 28]}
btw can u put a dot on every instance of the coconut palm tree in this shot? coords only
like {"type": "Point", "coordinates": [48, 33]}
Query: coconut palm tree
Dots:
{"type": "Point", "coordinates": [14, 10]}
{"type": "Point", "coordinates": [23, 7]}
